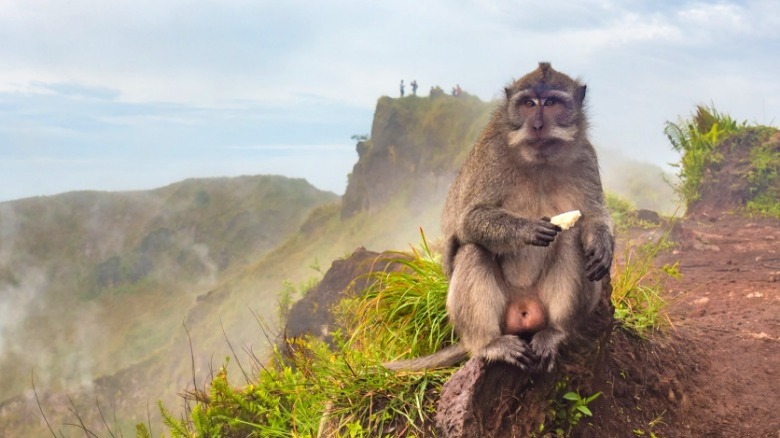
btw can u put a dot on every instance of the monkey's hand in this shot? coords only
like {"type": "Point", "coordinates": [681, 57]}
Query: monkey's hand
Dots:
{"type": "Point", "coordinates": [541, 232]}
{"type": "Point", "coordinates": [509, 349]}
{"type": "Point", "coordinates": [598, 252]}
{"type": "Point", "coordinates": [545, 346]}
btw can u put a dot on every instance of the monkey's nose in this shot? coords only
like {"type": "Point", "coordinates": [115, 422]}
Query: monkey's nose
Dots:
{"type": "Point", "coordinates": [538, 125]}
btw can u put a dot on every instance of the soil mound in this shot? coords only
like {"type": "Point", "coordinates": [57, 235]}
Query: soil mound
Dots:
{"type": "Point", "coordinates": [733, 177]}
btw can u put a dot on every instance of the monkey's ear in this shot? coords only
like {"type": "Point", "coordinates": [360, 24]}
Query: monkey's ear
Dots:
{"type": "Point", "coordinates": [579, 94]}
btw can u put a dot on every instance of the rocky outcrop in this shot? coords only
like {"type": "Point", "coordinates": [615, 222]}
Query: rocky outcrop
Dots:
{"type": "Point", "coordinates": [416, 146]}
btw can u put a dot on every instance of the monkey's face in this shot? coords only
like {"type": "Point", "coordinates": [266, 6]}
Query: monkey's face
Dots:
{"type": "Point", "coordinates": [543, 122]}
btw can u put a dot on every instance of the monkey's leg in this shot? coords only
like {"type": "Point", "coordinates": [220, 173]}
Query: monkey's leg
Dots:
{"type": "Point", "coordinates": [560, 291]}
{"type": "Point", "coordinates": [476, 304]}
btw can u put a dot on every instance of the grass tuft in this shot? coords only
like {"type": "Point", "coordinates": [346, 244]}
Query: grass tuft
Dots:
{"type": "Point", "coordinates": [402, 312]}
{"type": "Point", "coordinates": [637, 286]}
{"type": "Point", "coordinates": [696, 139]}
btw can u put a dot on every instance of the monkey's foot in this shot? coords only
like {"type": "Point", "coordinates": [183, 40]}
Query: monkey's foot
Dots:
{"type": "Point", "coordinates": [545, 346]}
{"type": "Point", "coordinates": [509, 349]}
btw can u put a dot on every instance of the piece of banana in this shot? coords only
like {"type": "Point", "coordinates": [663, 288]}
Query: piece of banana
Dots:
{"type": "Point", "coordinates": [566, 220]}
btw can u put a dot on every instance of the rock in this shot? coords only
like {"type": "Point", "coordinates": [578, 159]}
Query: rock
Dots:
{"type": "Point", "coordinates": [648, 216]}
{"type": "Point", "coordinates": [476, 399]}
{"type": "Point", "coordinates": [311, 315]}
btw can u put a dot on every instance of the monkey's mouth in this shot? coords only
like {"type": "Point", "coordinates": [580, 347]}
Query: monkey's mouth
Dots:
{"type": "Point", "coordinates": [544, 144]}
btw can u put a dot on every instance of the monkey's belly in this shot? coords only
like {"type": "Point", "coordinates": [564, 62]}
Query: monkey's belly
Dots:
{"type": "Point", "coordinates": [526, 269]}
{"type": "Point", "coordinates": [523, 269]}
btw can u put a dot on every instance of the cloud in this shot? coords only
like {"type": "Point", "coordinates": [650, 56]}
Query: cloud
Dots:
{"type": "Point", "coordinates": [74, 90]}
{"type": "Point", "coordinates": [755, 19]}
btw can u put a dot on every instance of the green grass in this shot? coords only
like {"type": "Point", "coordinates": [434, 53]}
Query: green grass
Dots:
{"type": "Point", "coordinates": [764, 177]}
{"type": "Point", "coordinates": [402, 312]}
{"type": "Point", "coordinates": [696, 139]}
{"type": "Point", "coordinates": [290, 396]}
{"type": "Point", "coordinates": [638, 286]}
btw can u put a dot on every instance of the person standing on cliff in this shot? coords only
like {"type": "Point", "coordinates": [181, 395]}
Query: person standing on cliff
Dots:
{"type": "Point", "coordinates": [414, 87]}
{"type": "Point", "coordinates": [402, 88]}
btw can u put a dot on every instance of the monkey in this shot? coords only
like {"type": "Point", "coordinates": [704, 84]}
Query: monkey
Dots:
{"type": "Point", "coordinates": [533, 160]}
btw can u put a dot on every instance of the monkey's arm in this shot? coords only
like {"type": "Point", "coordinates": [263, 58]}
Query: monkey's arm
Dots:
{"type": "Point", "coordinates": [500, 231]}
{"type": "Point", "coordinates": [598, 242]}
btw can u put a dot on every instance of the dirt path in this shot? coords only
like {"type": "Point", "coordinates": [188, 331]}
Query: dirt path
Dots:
{"type": "Point", "coordinates": [728, 303]}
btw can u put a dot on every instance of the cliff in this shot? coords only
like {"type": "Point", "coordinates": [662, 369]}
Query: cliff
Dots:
{"type": "Point", "coordinates": [416, 147]}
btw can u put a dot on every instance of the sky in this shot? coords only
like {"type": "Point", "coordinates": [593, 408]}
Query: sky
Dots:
{"type": "Point", "coordinates": [138, 94]}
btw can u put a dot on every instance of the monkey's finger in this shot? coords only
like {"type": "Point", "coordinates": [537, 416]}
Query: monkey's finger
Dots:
{"type": "Point", "coordinates": [544, 225]}
{"type": "Point", "coordinates": [549, 226]}
{"type": "Point", "coordinates": [546, 363]}
{"type": "Point", "coordinates": [593, 261]}
{"type": "Point", "coordinates": [546, 234]}
{"type": "Point", "coordinates": [594, 265]}
{"type": "Point", "coordinates": [541, 241]}
{"type": "Point", "coordinates": [524, 360]}
{"type": "Point", "coordinates": [550, 364]}
{"type": "Point", "coordinates": [549, 232]}
{"type": "Point", "coordinates": [598, 274]}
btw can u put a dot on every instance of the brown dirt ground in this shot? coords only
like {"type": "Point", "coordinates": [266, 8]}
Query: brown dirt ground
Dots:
{"type": "Point", "coordinates": [727, 306]}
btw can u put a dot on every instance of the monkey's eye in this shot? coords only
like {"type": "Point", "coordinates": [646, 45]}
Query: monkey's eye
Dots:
{"type": "Point", "coordinates": [549, 101]}
{"type": "Point", "coordinates": [529, 103]}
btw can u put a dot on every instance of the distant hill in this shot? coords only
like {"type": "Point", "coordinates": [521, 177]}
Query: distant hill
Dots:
{"type": "Point", "coordinates": [92, 282]}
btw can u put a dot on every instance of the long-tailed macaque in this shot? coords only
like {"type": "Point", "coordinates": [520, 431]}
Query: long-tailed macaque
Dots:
{"type": "Point", "coordinates": [502, 254]}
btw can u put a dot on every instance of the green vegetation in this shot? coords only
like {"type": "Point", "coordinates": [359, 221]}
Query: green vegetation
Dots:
{"type": "Point", "coordinates": [401, 313]}
{"type": "Point", "coordinates": [637, 286]}
{"type": "Point", "coordinates": [732, 159]}
{"type": "Point", "coordinates": [764, 177]}
{"type": "Point", "coordinates": [621, 209]}
{"type": "Point", "coordinates": [696, 139]}
{"type": "Point", "coordinates": [567, 410]}
{"type": "Point", "coordinates": [291, 293]}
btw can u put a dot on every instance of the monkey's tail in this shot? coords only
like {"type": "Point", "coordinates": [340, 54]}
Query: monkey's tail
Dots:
{"type": "Point", "coordinates": [445, 357]}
